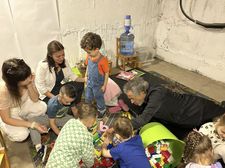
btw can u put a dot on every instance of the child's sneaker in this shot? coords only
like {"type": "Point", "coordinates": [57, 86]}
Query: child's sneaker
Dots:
{"type": "Point", "coordinates": [48, 151]}
{"type": "Point", "coordinates": [101, 115]}
{"type": "Point", "coordinates": [115, 109]}
{"type": "Point", "coordinates": [40, 156]}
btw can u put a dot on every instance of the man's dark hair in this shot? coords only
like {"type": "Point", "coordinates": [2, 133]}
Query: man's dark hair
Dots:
{"type": "Point", "coordinates": [69, 90]}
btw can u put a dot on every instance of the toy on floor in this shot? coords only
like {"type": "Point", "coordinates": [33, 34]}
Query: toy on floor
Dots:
{"type": "Point", "coordinates": [102, 127]}
{"type": "Point", "coordinates": [94, 128]}
{"type": "Point", "coordinates": [126, 114]}
{"type": "Point", "coordinates": [159, 154]}
{"type": "Point", "coordinates": [154, 132]}
{"type": "Point", "coordinates": [111, 94]}
{"type": "Point", "coordinates": [99, 160]}
{"type": "Point", "coordinates": [105, 162]}
{"type": "Point", "coordinates": [120, 106]}
{"type": "Point", "coordinates": [98, 138]}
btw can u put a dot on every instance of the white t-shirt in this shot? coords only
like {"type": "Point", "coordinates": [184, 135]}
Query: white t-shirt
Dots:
{"type": "Point", "coordinates": [209, 130]}
{"type": "Point", "coordinates": [6, 100]}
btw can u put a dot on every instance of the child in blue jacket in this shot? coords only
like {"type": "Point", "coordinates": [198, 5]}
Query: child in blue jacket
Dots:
{"type": "Point", "coordinates": [129, 149]}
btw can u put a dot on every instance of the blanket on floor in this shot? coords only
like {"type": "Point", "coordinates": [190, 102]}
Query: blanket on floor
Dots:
{"type": "Point", "coordinates": [155, 78]}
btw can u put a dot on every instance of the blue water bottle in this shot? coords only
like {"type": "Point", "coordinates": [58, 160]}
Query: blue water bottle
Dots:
{"type": "Point", "coordinates": [127, 38]}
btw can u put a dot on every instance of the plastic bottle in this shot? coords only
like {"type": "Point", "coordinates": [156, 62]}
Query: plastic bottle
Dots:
{"type": "Point", "coordinates": [127, 38]}
{"type": "Point", "coordinates": [102, 50]}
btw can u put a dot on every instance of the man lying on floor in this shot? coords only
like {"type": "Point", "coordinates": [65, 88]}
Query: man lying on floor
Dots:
{"type": "Point", "coordinates": [184, 110]}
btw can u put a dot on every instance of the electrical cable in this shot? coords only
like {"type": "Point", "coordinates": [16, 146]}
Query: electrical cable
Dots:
{"type": "Point", "coordinates": [206, 25]}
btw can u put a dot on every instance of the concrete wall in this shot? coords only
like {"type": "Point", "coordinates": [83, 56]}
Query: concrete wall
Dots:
{"type": "Point", "coordinates": [188, 45]}
{"type": "Point", "coordinates": [28, 25]}
{"type": "Point", "coordinates": [26, 28]}
{"type": "Point", "coordinates": [106, 18]}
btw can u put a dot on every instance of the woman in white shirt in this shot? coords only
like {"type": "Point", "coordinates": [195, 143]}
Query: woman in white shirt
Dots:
{"type": "Point", "coordinates": [52, 72]}
{"type": "Point", "coordinates": [19, 101]}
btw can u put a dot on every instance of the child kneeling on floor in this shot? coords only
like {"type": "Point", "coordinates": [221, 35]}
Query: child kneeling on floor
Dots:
{"type": "Point", "coordinates": [60, 105]}
{"type": "Point", "coordinates": [74, 142]}
{"type": "Point", "coordinates": [129, 149]}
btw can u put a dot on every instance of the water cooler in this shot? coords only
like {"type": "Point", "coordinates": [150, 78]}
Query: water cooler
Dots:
{"type": "Point", "coordinates": [127, 38]}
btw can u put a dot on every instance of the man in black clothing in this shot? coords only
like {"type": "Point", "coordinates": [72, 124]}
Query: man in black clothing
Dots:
{"type": "Point", "coordinates": [184, 110]}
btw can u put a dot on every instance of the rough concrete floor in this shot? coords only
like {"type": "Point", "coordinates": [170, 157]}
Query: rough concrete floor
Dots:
{"type": "Point", "coordinates": [19, 152]}
{"type": "Point", "coordinates": [202, 84]}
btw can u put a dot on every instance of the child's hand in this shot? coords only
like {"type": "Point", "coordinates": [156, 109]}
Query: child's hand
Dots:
{"type": "Point", "coordinates": [103, 88]}
{"type": "Point", "coordinates": [106, 141]}
{"type": "Point", "coordinates": [85, 79]}
{"type": "Point", "coordinates": [110, 131]}
{"type": "Point", "coordinates": [195, 129]}
{"type": "Point", "coordinates": [108, 134]}
{"type": "Point", "coordinates": [74, 111]}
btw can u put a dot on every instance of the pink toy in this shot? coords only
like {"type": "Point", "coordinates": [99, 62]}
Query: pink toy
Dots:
{"type": "Point", "coordinates": [102, 127]}
{"type": "Point", "coordinates": [115, 109]}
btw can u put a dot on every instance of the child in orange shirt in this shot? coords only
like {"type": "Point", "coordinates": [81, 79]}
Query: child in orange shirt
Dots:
{"type": "Point", "coordinates": [97, 72]}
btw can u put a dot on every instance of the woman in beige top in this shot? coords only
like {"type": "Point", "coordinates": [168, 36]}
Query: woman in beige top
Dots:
{"type": "Point", "coordinates": [19, 101]}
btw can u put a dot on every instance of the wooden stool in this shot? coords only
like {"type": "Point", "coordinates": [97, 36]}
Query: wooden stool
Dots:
{"type": "Point", "coordinates": [110, 66]}
{"type": "Point", "coordinates": [126, 60]}
{"type": "Point", "coordinates": [4, 160]}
